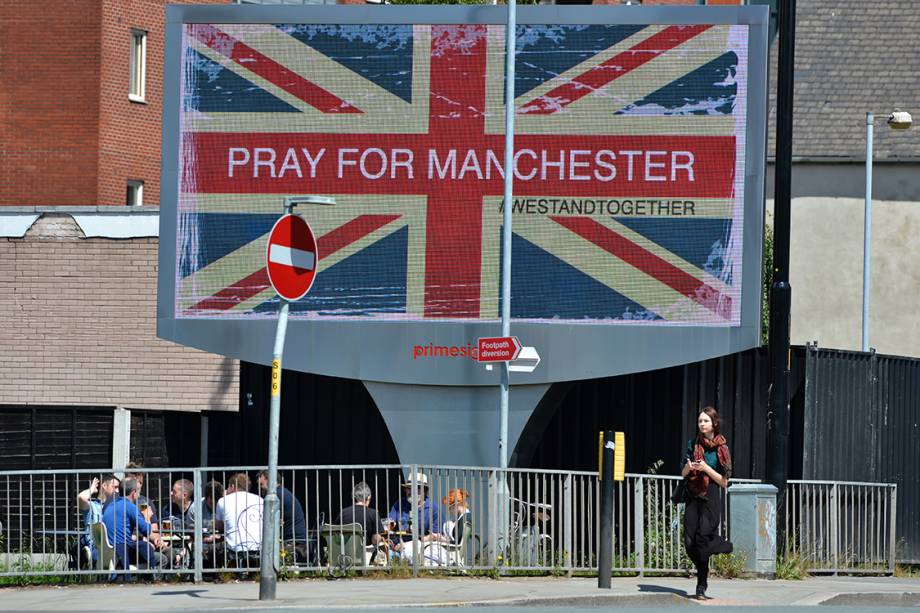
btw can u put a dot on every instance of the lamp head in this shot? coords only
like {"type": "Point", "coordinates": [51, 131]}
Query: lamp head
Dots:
{"type": "Point", "coordinates": [899, 120]}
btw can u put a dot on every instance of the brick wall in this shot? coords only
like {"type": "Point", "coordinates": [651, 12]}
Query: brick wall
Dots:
{"type": "Point", "coordinates": [130, 132]}
{"type": "Point", "coordinates": [79, 327]}
{"type": "Point", "coordinates": [68, 133]}
{"type": "Point", "coordinates": [49, 99]}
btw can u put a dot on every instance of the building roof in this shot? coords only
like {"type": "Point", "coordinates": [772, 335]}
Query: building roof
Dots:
{"type": "Point", "coordinates": [850, 58]}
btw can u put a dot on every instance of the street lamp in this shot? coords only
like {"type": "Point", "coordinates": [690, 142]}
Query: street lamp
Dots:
{"type": "Point", "coordinates": [898, 120]}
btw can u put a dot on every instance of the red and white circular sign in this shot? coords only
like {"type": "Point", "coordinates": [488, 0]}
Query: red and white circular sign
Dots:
{"type": "Point", "coordinates": [292, 257]}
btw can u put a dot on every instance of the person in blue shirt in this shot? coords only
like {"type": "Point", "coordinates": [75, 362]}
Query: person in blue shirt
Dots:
{"type": "Point", "coordinates": [421, 511]}
{"type": "Point", "coordinates": [294, 524]}
{"type": "Point", "coordinates": [91, 502]}
{"type": "Point", "coordinates": [122, 520]}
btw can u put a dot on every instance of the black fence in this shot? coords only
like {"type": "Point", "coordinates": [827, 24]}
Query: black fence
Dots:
{"type": "Point", "coordinates": [855, 417]}
{"type": "Point", "coordinates": [862, 423]}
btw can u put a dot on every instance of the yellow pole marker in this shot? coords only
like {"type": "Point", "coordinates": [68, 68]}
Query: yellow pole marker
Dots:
{"type": "Point", "coordinates": [276, 377]}
{"type": "Point", "coordinates": [619, 456]}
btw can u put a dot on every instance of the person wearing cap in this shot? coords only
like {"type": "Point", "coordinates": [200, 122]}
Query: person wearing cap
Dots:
{"type": "Point", "coordinates": [420, 511]}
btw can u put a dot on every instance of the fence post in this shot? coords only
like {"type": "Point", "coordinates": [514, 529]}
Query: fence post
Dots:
{"type": "Point", "coordinates": [835, 527]}
{"type": "Point", "coordinates": [413, 521]}
{"type": "Point", "coordinates": [892, 527]}
{"type": "Point", "coordinates": [198, 489]}
{"type": "Point", "coordinates": [639, 525]}
{"type": "Point", "coordinates": [567, 549]}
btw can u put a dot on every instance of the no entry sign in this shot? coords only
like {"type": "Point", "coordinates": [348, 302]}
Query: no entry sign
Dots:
{"type": "Point", "coordinates": [292, 257]}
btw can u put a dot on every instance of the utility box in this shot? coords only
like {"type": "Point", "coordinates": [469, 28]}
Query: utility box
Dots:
{"type": "Point", "coordinates": [752, 518]}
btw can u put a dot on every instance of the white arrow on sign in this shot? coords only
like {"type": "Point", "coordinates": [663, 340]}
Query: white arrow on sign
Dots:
{"type": "Point", "coordinates": [527, 361]}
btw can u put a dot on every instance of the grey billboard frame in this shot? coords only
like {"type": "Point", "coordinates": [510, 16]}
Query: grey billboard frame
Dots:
{"type": "Point", "coordinates": [382, 350]}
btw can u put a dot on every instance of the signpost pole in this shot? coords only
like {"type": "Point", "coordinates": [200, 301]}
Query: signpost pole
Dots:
{"type": "Point", "coordinates": [502, 499]}
{"type": "Point", "coordinates": [506, 221]}
{"type": "Point", "coordinates": [271, 511]}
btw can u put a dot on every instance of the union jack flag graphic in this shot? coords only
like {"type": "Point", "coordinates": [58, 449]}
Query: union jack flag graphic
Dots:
{"type": "Point", "coordinates": [628, 170]}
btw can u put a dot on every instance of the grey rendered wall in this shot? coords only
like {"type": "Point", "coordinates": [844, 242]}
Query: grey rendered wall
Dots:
{"type": "Point", "coordinates": [827, 267]}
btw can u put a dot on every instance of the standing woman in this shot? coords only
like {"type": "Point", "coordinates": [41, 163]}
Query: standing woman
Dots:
{"type": "Point", "coordinates": [707, 466]}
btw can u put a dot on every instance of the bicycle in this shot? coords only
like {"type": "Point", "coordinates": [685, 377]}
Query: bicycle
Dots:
{"type": "Point", "coordinates": [529, 542]}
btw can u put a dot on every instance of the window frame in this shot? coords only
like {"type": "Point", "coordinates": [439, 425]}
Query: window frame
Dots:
{"type": "Point", "coordinates": [135, 188]}
{"type": "Point", "coordinates": [137, 66]}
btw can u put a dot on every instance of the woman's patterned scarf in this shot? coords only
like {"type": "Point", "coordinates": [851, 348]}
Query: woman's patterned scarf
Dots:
{"type": "Point", "coordinates": [699, 481]}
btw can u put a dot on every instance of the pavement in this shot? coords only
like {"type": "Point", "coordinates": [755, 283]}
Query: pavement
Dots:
{"type": "Point", "coordinates": [371, 593]}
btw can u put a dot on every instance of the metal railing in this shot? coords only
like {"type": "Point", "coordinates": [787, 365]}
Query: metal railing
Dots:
{"type": "Point", "coordinates": [839, 526]}
{"type": "Point", "coordinates": [510, 520]}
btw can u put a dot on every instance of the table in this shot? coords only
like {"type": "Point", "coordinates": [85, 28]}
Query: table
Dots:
{"type": "Point", "coordinates": [62, 532]}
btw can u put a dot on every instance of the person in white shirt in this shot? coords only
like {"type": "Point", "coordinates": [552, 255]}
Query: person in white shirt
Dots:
{"type": "Point", "coordinates": [239, 515]}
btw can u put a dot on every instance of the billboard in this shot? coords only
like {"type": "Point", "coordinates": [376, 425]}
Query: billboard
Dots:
{"type": "Point", "coordinates": [638, 184]}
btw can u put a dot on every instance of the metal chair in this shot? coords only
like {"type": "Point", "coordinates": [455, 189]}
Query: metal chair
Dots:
{"type": "Point", "coordinates": [455, 550]}
{"type": "Point", "coordinates": [345, 548]}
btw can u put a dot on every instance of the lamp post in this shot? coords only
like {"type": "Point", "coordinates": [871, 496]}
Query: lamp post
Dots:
{"type": "Point", "coordinates": [898, 120]}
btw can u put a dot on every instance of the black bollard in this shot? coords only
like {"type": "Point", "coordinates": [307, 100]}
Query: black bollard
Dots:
{"type": "Point", "coordinates": [605, 548]}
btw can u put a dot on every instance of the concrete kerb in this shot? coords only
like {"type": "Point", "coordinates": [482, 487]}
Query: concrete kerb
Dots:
{"type": "Point", "coordinates": [461, 592]}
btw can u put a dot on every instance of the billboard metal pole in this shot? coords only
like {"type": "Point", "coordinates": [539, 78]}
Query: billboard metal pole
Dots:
{"type": "Point", "coordinates": [506, 221]}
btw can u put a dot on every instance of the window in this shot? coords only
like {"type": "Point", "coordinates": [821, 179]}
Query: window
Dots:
{"type": "Point", "coordinates": [138, 65]}
{"type": "Point", "coordinates": [135, 195]}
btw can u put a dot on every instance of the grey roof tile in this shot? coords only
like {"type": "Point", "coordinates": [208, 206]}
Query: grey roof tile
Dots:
{"type": "Point", "coordinates": [852, 57]}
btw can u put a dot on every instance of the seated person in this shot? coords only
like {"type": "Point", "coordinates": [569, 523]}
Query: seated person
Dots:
{"type": "Point", "coordinates": [122, 519]}
{"type": "Point", "coordinates": [147, 507]}
{"type": "Point", "coordinates": [421, 511]}
{"type": "Point", "coordinates": [435, 545]}
{"type": "Point", "coordinates": [180, 511]}
{"type": "Point", "coordinates": [293, 523]}
{"type": "Point", "coordinates": [361, 513]}
{"type": "Point", "coordinates": [91, 502]}
{"type": "Point", "coordinates": [239, 515]}
{"type": "Point", "coordinates": [213, 491]}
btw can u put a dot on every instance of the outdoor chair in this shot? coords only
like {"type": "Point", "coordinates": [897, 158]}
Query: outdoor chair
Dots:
{"type": "Point", "coordinates": [345, 548]}
{"type": "Point", "coordinates": [107, 558]}
{"type": "Point", "coordinates": [456, 552]}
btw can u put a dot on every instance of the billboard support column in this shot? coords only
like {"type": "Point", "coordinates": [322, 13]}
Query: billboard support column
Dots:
{"type": "Point", "coordinates": [506, 221]}
{"type": "Point", "coordinates": [781, 292]}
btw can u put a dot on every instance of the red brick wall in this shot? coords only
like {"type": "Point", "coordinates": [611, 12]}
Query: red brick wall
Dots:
{"type": "Point", "coordinates": [68, 133]}
{"type": "Point", "coordinates": [49, 101]}
{"type": "Point", "coordinates": [130, 132]}
{"type": "Point", "coordinates": [79, 327]}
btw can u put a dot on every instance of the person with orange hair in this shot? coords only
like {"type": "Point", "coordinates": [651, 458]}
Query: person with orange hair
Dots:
{"type": "Point", "coordinates": [436, 549]}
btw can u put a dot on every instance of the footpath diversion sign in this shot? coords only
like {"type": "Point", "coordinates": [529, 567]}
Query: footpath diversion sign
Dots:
{"type": "Point", "coordinates": [291, 257]}
{"type": "Point", "coordinates": [499, 349]}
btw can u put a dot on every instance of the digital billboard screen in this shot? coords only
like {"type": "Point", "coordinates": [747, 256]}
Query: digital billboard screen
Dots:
{"type": "Point", "coordinates": [631, 173]}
